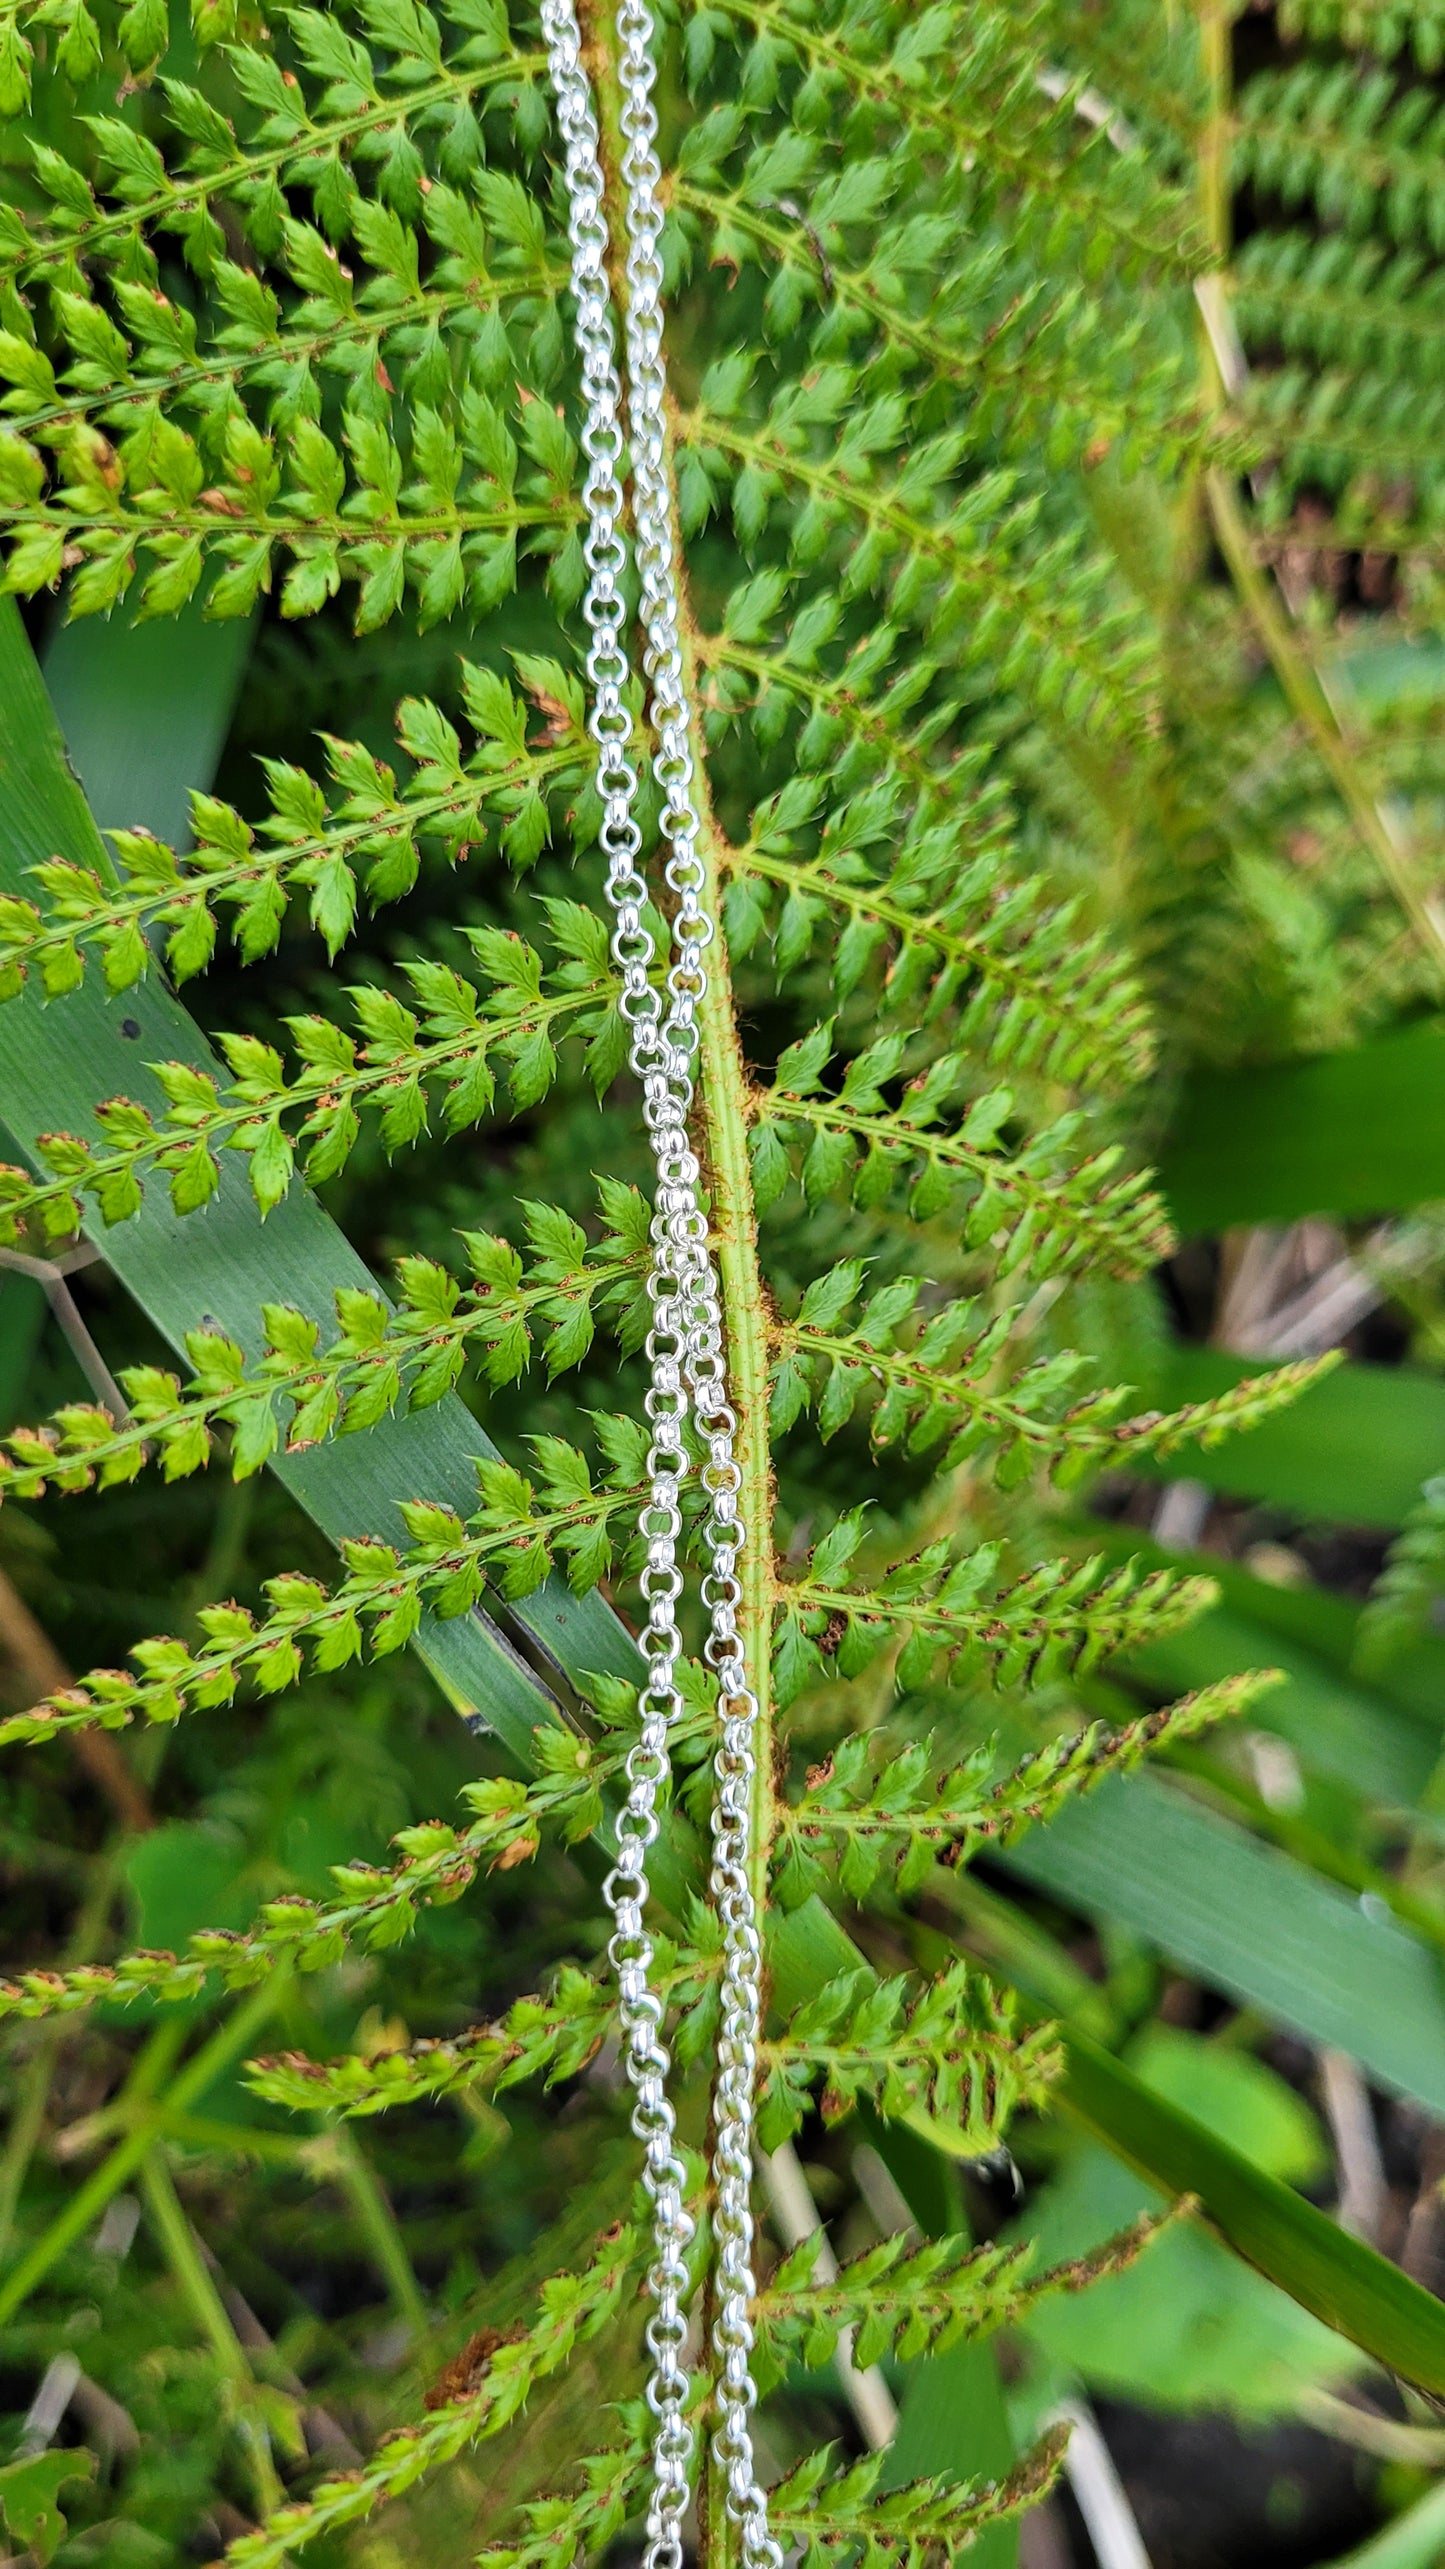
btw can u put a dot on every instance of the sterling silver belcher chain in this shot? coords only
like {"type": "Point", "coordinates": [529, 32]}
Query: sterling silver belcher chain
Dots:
{"type": "Point", "coordinates": [685, 1342]}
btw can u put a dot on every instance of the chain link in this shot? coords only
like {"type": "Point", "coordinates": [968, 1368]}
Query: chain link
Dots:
{"type": "Point", "coordinates": [685, 1343]}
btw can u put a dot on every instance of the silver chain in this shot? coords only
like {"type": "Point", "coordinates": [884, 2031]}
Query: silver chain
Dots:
{"type": "Point", "coordinates": [685, 1348]}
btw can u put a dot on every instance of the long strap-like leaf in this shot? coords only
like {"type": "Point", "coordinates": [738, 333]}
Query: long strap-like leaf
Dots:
{"type": "Point", "coordinates": [1251, 1921]}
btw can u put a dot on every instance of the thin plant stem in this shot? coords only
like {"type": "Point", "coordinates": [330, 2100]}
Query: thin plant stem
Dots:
{"type": "Point", "coordinates": [28, 2119]}
{"type": "Point", "coordinates": [182, 2253]}
{"type": "Point", "coordinates": [1216, 28]}
{"type": "Point", "coordinates": [27, 2122]}
{"type": "Point", "coordinates": [725, 1120]}
{"type": "Point", "coordinates": [89, 2201]}
{"type": "Point", "coordinates": [377, 2223]}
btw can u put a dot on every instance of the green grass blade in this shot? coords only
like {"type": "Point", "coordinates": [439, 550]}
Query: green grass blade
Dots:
{"type": "Point", "coordinates": [1351, 1132]}
{"type": "Point", "coordinates": [1346, 2284]}
{"type": "Point", "coordinates": [1250, 1921]}
{"type": "Point", "coordinates": [1336, 1725]}
{"type": "Point", "coordinates": [59, 1059]}
{"type": "Point", "coordinates": [145, 710]}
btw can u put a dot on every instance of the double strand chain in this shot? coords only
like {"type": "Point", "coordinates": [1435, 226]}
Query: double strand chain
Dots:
{"type": "Point", "coordinates": [685, 1341]}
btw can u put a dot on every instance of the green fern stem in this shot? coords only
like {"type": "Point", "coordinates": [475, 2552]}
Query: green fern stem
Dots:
{"type": "Point", "coordinates": [726, 1114]}
{"type": "Point", "coordinates": [1216, 27]}
{"type": "Point", "coordinates": [723, 1118]}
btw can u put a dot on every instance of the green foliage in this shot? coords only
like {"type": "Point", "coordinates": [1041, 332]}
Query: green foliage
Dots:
{"type": "Point", "coordinates": [290, 333]}
{"type": "Point", "coordinates": [460, 1029]}
{"type": "Point", "coordinates": [865, 1808]}
{"type": "Point", "coordinates": [831, 2512]}
{"type": "Point", "coordinates": [571, 2308]}
{"type": "Point", "coordinates": [369, 825]}
{"type": "Point", "coordinates": [836, 2514]}
{"type": "Point", "coordinates": [1400, 1606]}
{"type": "Point", "coordinates": [905, 2301]}
{"type": "Point", "coordinates": [29, 2497]}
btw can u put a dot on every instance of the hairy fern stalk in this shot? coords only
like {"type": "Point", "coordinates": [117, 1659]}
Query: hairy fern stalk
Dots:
{"type": "Point", "coordinates": [283, 323]}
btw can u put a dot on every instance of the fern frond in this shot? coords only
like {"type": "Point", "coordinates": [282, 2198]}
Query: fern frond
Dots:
{"type": "Point", "coordinates": [131, 359]}
{"type": "Point", "coordinates": [945, 1152]}
{"type": "Point", "coordinates": [831, 2513]}
{"type": "Point", "coordinates": [969, 91]}
{"type": "Point", "coordinates": [1352, 434]}
{"type": "Point", "coordinates": [379, 1604]}
{"type": "Point", "coordinates": [350, 116]}
{"type": "Point", "coordinates": [1382, 28]}
{"type": "Point", "coordinates": [1145, 74]}
{"type": "Point", "coordinates": [1400, 1606]}
{"type": "Point", "coordinates": [450, 1041]}
{"type": "Point", "coordinates": [904, 2299]}
{"type": "Point", "coordinates": [842, 2520]}
{"type": "Point", "coordinates": [1356, 148]}
{"type": "Point", "coordinates": [349, 111]}
{"type": "Point", "coordinates": [496, 796]}
{"type": "Point", "coordinates": [960, 933]}
{"type": "Point", "coordinates": [1021, 356]}
{"type": "Point", "coordinates": [867, 1807]}
{"type": "Point", "coordinates": [948, 1384]}
{"type": "Point", "coordinates": [384, 518]}
{"type": "Point", "coordinates": [558, 2527]}
{"type": "Point", "coordinates": [322, 343]}
{"type": "Point", "coordinates": [572, 2309]}
{"type": "Point", "coordinates": [951, 2046]}
{"type": "Point", "coordinates": [376, 1906]}
{"type": "Point", "coordinates": [426, 494]}
{"type": "Point", "coordinates": [1041, 617]}
{"type": "Point", "coordinates": [386, 1356]}
{"type": "Point", "coordinates": [1342, 300]}
{"type": "Point", "coordinates": [553, 2039]}
{"type": "Point", "coordinates": [1059, 1618]}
